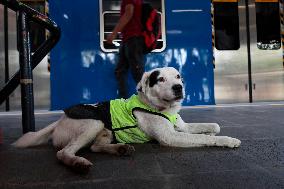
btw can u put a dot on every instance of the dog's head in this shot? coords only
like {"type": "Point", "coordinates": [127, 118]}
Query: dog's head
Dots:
{"type": "Point", "coordinates": [162, 88]}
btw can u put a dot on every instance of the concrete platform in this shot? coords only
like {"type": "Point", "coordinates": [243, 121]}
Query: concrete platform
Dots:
{"type": "Point", "coordinates": [257, 164]}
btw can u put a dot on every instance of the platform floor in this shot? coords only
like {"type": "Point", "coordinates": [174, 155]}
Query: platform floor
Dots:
{"type": "Point", "coordinates": [257, 164]}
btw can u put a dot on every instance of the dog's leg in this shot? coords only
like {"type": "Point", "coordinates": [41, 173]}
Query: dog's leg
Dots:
{"type": "Point", "coordinates": [102, 144]}
{"type": "Point", "coordinates": [163, 131]}
{"type": "Point", "coordinates": [197, 128]}
{"type": "Point", "coordinates": [115, 149]}
{"type": "Point", "coordinates": [180, 139]}
{"type": "Point", "coordinates": [202, 128]}
{"type": "Point", "coordinates": [88, 134]}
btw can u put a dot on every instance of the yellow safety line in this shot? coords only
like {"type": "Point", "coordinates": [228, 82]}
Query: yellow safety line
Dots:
{"type": "Point", "coordinates": [225, 1]}
{"type": "Point", "coordinates": [266, 1]}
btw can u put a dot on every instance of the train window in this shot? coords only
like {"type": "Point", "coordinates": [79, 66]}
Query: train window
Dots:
{"type": "Point", "coordinates": [268, 24]}
{"type": "Point", "coordinates": [38, 33]}
{"type": "Point", "coordinates": [109, 16]}
{"type": "Point", "coordinates": [226, 24]}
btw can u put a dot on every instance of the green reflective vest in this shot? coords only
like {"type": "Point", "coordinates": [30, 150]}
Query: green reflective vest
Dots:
{"type": "Point", "coordinates": [124, 123]}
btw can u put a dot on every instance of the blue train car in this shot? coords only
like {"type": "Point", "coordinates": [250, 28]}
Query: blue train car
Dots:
{"type": "Point", "coordinates": [82, 65]}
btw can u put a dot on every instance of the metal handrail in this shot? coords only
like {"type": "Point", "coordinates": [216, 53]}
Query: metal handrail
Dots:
{"type": "Point", "coordinates": [41, 52]}
{"type": "Point", "coordinates": [28, 61]}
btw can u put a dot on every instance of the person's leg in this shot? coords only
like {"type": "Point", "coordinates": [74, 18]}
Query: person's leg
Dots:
{"type": "Point", "coordinates": [121, 72]}
{"type": "Point", "coordinates": [134, 53]}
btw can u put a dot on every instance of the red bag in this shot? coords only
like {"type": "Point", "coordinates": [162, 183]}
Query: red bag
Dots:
{"type": "Point", "coordinates": [151, 27]}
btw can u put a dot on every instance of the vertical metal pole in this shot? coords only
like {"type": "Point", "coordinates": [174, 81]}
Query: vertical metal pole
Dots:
{"type": "Point", "coordinates": [213, 33]}
{"type": "Point", "coordinates": [248, 50]}
{"type": "Point", "coordinates": [282, 28]}
{"type": "Point", "coordinates": [6, 53]}
{"type": "Point", "coordinates": [26, 78]}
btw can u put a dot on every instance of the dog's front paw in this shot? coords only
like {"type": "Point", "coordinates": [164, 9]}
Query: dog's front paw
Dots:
{"type": "Point", "coordinates": [228, 142]}
{"type": "Point", "coordinates": [234, 143]}
{"type": "Point", "coordinates": [125, 150]}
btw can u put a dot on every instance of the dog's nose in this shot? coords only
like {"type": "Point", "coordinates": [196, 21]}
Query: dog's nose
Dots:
{"type": "Point", "coordinates": [177, 88]}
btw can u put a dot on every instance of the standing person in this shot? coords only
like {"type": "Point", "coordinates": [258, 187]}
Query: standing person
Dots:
{"type": "Point", "coordinates": [131, 49]}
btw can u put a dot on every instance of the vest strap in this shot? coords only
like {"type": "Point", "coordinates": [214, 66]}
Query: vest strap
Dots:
{"type": "Point", "coordinates": [122, 128]}
{"type": "Point", "coordinates": [150, 112]}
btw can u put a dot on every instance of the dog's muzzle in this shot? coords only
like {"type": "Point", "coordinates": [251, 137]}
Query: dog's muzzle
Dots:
{"type": "Point", "coordinates": [177, 90]}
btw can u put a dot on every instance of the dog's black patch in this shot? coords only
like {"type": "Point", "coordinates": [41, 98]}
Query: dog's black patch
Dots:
{"type": "Point", "coordinates": [153, 79]}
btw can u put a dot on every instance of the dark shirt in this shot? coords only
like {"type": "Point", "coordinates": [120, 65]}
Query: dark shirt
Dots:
{"type": "Point", "coordinates": [134, 26]}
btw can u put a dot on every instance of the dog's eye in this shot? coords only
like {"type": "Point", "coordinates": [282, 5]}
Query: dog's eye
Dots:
{"type": "Point", "coordinates": [161, 79]}
{"type": "Point", "coordinates": [178, 76]}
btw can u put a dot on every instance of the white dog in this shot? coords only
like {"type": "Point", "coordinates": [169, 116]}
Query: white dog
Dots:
{"type": "Point", "coordinates": [150, 115]}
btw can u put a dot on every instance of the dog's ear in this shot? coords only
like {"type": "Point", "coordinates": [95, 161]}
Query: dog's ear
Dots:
{"type": "Point", "coordinates": [141, 86]}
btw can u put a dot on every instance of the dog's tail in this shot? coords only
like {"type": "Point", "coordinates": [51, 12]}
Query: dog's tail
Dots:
{"type": "Point", "coordinates": [35, 138]}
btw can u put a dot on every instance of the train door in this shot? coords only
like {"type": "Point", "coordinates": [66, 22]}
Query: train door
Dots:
{"type": "Point", "coordinates": [266, 52]}
{"type": "Point", "coordinates": [231, 63]}
{"type": "Point", "coordinates": [248, 54]}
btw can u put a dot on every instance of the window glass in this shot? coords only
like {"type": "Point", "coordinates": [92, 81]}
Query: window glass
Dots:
{"type": "Point", "coordinates": [110, 20]}
{"type": "Point", "coordinates": [268, 25]}
{"type": "Point", "coordinates": [109, 16]}
{"type": "Point", "coordinates": [226, 25]}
